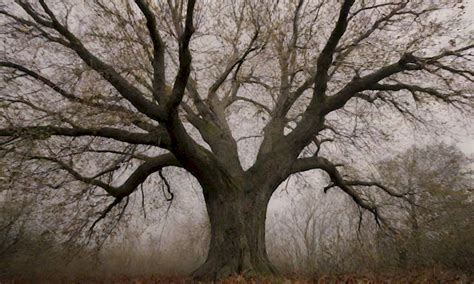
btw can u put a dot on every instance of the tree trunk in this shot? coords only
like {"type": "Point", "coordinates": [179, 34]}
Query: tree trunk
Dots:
{"type": "Point", "coordinates": [237, 246]}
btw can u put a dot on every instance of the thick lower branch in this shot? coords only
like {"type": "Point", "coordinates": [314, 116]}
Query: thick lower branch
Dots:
{"type": "Point", "coordinates": [138, 176]}
{"type": "Point", "coordinates": [41, 132]}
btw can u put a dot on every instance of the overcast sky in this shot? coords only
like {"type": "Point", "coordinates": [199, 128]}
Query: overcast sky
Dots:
{"type": "Point", "coordinates": [467, 144]}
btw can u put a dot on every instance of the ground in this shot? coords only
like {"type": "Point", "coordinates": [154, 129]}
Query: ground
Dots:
{"type": "Point", "coordinates": [418, 276]}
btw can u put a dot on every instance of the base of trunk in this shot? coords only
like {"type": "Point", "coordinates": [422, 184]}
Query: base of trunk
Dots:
{"type": "Point", "coordinates": [215, 268]}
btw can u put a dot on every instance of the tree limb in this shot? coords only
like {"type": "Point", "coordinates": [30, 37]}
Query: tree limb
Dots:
{"type": "Point", "coordinates": [407, 62]}
{"type": "Point", "coordinates": [159, 74]}
{"type": "Point", "coordinates": [448, 98]}
{"type": "Point", "coordinates": [325, 59]}
{"type": "Point", "coordinates": [41, 132]}
{"type": "Point", "coordinates": [185, 59]}
{"type": "Point", "coordinates": [358, 84]}
{"type": "Point", "coordinates": [324, 164]}
{"type": "Point", "coordinates": [139, 175]}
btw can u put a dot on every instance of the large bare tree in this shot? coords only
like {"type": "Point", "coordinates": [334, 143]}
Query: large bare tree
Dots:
{"type": "Point", "coordinates": [89, 87]}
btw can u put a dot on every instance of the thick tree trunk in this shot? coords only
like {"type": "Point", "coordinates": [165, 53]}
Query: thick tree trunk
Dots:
{"type": "Point", "coordinates": [237, 244]}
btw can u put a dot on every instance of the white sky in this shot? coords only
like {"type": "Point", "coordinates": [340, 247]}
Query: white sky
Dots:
{"type": "Point", "coordinates": [467, 144]}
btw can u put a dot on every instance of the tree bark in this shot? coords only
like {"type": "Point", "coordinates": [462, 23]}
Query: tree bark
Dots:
{"type": "Point", "coordinates": [237, 216]}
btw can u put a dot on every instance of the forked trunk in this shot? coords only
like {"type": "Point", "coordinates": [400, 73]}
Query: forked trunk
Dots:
{"type": "Point", "coordinates": [237, 244]}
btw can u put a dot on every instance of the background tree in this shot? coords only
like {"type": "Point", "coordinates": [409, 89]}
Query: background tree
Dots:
{"type": "Point", "coordinates": [433, 227]}
{"type": "Point", "coordinates": [104, 95]}
{"type": "Point", "coordinates": [436, 224]}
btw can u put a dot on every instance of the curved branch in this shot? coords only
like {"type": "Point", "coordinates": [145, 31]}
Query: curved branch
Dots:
{"type": "Point", "coordinates": [140, 174]}
{"type": "Point", "coordinates": [144, 170]}
{"type": "Point", "coordinates": [166, 185]}
{"type": "Point", "coordinates": [253, 102]}
{"type": "Point", "coordinates": [42, 79]}
{"type": "Point", "coordinates": [376, 184]}
{"type": "Point", "coordinates": [324, 164]}
{"type": "Point", "coordinates": [104, 213]}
